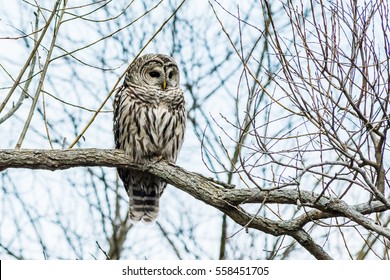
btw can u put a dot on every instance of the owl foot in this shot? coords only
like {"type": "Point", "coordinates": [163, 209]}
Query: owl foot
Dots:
{"type": "Point", "coordinates": [154, 158]}
{"type": "Point", "coordinates": [157, 158]}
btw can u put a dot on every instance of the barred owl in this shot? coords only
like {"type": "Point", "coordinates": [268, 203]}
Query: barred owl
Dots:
{"type": "Point", "coordinates": [149, 124]}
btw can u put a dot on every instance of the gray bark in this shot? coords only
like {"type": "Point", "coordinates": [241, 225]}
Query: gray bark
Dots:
{"type": "Point", "coordinates": [216, 194]}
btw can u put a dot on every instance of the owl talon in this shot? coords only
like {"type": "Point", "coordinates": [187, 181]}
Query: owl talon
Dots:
{"type": "Point", "coordinates": [159, 158]}
{"type": "Point", "coordinates": [156, 159]}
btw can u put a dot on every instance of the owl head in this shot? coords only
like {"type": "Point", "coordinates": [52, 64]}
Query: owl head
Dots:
{"type": "Point", "coordinates": [154, 70]}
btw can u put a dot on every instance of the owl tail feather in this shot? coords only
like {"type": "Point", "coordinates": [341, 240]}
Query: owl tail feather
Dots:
{"type": "Point", "coordinates": [144, 203]}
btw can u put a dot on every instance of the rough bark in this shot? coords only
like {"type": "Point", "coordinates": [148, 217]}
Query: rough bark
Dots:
{"type": "Point", "coordinates": [219, 195]}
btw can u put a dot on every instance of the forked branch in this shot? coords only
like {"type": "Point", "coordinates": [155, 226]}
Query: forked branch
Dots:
{"type": "Point", "coordinates": [229, 201]}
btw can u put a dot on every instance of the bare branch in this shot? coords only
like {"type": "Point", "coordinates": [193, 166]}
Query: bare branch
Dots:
{"type": "Point", "coordinates": [228, 201]}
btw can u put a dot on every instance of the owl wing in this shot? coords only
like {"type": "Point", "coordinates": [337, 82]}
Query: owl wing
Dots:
{"type": "Point", "coordinates": [144, 190]}
{"type": "Point", "coordinates": [116, 128]}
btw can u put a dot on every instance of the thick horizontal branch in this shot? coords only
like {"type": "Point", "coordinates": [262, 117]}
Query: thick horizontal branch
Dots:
{"type": "Point", "coordinates": [63, 159]}
{"type": "Point", "coordinates": [217, 195]}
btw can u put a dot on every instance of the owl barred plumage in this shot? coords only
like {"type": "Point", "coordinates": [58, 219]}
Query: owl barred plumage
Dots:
{"type": "Point", "coordinates": [149, 123]}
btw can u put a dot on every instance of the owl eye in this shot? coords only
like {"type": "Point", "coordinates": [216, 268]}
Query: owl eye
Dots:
{"type": "Point", "coordinates": [154, 74]}
{"type": "Point", "coordinates": [170, 75]}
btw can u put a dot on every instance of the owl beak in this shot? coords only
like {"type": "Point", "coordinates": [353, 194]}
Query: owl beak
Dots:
{"type": "Point", "coordinates": [164, 84]}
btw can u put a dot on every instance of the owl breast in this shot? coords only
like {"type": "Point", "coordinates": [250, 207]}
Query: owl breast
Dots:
{"type": "Point", "coordinates": [160, 131]}
{"type": "Point", "coordinates": [155, 127]}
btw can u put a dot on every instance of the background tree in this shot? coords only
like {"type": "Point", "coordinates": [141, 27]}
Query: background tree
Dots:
{"type": "Point", "coordinates": [288, 107]}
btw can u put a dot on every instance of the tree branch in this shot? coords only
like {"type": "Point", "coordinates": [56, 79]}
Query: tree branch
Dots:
{"type": "Point", "coordinates": [227, 200]}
